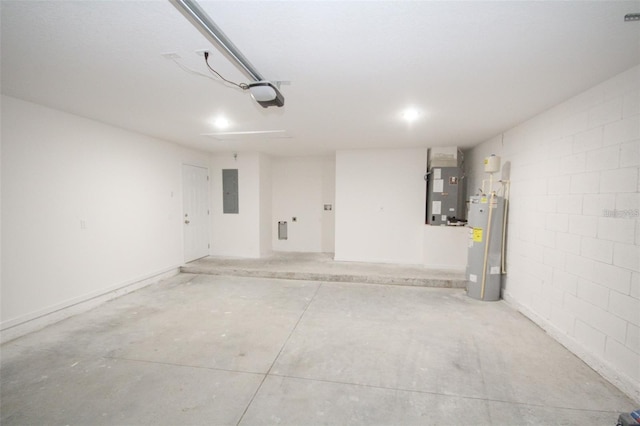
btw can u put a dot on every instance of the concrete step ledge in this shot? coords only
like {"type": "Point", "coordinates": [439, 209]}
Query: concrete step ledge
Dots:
{"type": "Point", "coordinates": [437, 282]}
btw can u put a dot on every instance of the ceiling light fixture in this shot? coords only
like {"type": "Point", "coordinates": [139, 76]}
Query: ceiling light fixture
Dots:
{"type": "Point", "coordinates": [410, 115]}
{"type": "Point", "coordinates": [214, 34]}
{"type": "Point", "coordinates": [221, 123]}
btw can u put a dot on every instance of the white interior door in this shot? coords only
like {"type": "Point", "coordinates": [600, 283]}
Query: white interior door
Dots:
{"type": "Point", "coordinates": [195, 215]}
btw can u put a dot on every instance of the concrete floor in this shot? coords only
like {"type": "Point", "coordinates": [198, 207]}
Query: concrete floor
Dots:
{"type": "Point", "coordinates": [216, 350]}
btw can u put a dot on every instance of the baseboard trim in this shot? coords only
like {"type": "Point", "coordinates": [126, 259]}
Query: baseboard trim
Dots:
{"type": "Point", "coordinates": [625, 384]}
{"type": "Point", "coordinates": [17, 327]}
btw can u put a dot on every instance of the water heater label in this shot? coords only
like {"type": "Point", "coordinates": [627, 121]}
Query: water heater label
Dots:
{"type": "Point", "coordinates": [494, 270]}
{"type": "Point", "coordinates": [473, 278]}
{"type": "Point", "coordinates": [477, 235]}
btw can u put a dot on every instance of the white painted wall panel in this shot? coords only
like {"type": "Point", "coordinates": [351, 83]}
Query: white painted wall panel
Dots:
{"type": "Point", "coordinates": [380, 205]}
{"type": "Point", "coordinates": [86, 208]}
{"type": "Point", "coordinates": [237, 235]}
{"type": "Point", "coordinates": [266, 199]}
{"type": "Point", "coordinates": [301, 187]}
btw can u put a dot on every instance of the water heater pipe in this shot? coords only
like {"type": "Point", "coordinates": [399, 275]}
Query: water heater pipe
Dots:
{"type": "Point", "coordinates": [506, 185]}
{"type": "Point", "coordinates": [486, 247]}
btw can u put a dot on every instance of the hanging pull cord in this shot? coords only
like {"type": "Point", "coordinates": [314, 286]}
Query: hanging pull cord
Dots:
{"type": "Point", "coordinates": [243, 86]}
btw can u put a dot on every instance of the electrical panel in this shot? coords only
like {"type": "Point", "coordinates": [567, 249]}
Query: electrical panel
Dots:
{"type": "Point", "coordinates": [230, 191]}
{"type": "Point", "coordinates": [484, 264]}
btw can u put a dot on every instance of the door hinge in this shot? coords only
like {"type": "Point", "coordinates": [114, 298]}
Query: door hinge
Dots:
{"type": "Point", "coordinates": [207, 178]}
{"type": "Point", "coordinates": [208, 245]}
{"type": "Point", "coordinates": [208, 212]}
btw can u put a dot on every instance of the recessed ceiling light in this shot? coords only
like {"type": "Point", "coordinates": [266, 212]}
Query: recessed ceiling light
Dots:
{"type": "Point", "coordinates": [410, 115]}
{"type": "Point", "coordinates": [221, 123]}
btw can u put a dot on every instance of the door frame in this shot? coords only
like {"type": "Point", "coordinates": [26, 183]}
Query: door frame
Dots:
{"type": "Point", "coordinates": [207, 202]}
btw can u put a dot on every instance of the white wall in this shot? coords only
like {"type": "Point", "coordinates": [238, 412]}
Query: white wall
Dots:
{"type": "Point", "coordinates": [446, 247]}
{"type": "Point", "coordinates": [266, 200]}
{"type": "Point", "coordinates": [380, 205]}
{"type": "Point", "coordinates": [238, 235]}
{"type": "Point", "coordinates": [301, 187]}
{"type": "Point", "coordinates": [572, 267]}
{"type": "Point", "coordinates": [328, 243]}
{"type": "Point", "coordinates": [86, 209]}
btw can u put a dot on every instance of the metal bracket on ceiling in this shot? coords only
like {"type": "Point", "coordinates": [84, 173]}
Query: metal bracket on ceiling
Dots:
{"type": "Point", "coordinates": [199, 18]}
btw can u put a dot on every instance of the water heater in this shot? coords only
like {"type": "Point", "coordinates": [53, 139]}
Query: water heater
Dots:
{"type": "Point", "coordinates": [484, 265]}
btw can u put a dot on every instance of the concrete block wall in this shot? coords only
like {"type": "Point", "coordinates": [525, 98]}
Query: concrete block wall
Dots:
{"type": "Point", "coordinates": [573, 247]}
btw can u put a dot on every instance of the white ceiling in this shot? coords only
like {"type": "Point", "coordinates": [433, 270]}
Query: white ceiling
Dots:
{"type": "Point", "coordinates": [473, 69]}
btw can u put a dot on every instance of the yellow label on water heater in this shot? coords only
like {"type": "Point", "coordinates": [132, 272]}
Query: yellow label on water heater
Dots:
{"type": "Point", "coordinates": [477, 235]}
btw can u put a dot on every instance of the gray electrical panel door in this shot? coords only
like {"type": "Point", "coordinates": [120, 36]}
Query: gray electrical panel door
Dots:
{"type": "Point", "coordinates": [230, 191]}
{"type": "Point", "coordinates": [443, 195]}
{"type": "Point", "coordinates": [484, 264]}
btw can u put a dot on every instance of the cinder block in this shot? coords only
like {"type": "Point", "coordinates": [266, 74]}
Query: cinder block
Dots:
{"type": "Point", "coordinates": [625, 130]}
{"type": "Point", "coordinates": [589, 140]}
{"type": "Point", "coordinates": [575, 123]}
{"type": "Point", "coordinates": [592, 339]}
{"type": "Point", "coordinates": [562, 320]}
{"type": "Point", "coordinates": [559, 185]}
{"type": "Point", "coordinates": [546, 238]}
{"type": "Point", "coordinates": [603, 158]}
{"type": "Point", "coordinates": [546, 203]}
{"type": "Point", "coordinates": [541, 305]}
{"type": "Point", "coordinates": [623, 358]}
{"type": "Point", "coordinates": [597, 249]}
{"type": "Point", "coordinates": [613, 277]}
{"type": "Point", "coordinates": [635, 285]}
{"type": "Point", "coordinates": [619, 180]}
{"type": "Point", "coordinates": [550, 165]}
{"type": "Point", "coordinates": [585, 183]}
{"type": "Point", "coordinates": [596, 204]}
{"type": "Point", "coordinates": [553, 294]}
{"type": "Point", "coordinates": [628, 201]}
{"type": "Point", "coordinates": [565, 282]}
{"type": "Point", "coordinates": [606, 112]}
{"type": "Point", "coordinates": [569, 243]}
{"type": "Point", "coordinates": [630, 154]}
{"type": "Point", "coordinates": [627, 256]}
{"type": "Point", "coordinates": [570, 204]}
{"type": "Point", "coordinates": [583, 225]}
{"type": "Point", "coordinates": [593, 293]}
{"type": "Point", "coordinates": [633, 338]}
{"type": "Point", "coordinates": [574, 163]}
{"type": "Point", "coordinates": [624, 306]}
{"type": "Point", "coordinates": [557, 222]}
{"type": "Point", "coordinates": [616, 229]}
{"type": "Point", "coordinates": [631, 104]}
{"type": "Point", "coordinates": [609, 324]}
{"type": "Point", "coordinates": [579, 265]}
{"type": "Point", "coordinates": [554, 257]}
{"type": "Point", "coordinates": [563, 146]}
